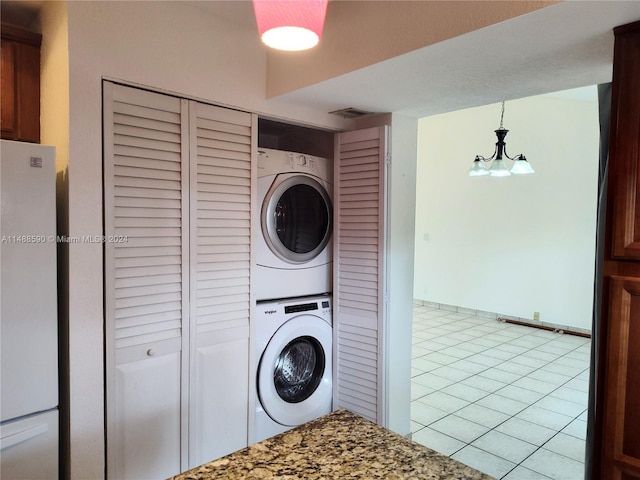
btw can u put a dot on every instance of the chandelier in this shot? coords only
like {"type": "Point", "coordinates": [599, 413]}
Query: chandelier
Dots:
{"type": "Point", "coordinates": [498, 167]}
{"type": "Point", "coordinates": [290, 25]}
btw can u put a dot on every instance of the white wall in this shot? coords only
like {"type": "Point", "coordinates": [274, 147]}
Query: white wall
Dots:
{"type": "Point", "coordinates": [510, 245]}
{"type": "Point", "coordinates": [171, 46]}
{"type": "Point", "coordinates": [54, 120]}
{"type": "Point", "coordinates": [402, 196]}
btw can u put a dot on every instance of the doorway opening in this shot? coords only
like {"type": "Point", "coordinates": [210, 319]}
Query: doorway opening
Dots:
{"type": "Point", "coordinates": [506, 399]}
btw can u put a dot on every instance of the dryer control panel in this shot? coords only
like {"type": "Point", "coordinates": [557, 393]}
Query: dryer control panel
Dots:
{"type": "Point", "coordinates": [272, 162]}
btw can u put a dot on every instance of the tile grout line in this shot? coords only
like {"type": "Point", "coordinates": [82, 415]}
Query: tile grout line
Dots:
{"type": "Point", "coordinates": [503, 360]}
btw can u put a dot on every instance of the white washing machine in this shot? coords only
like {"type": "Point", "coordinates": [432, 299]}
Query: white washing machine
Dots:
{"type": "Point", "coordinates": [293, 363]}
{"type": "Point", "coordinates": [293, 249]}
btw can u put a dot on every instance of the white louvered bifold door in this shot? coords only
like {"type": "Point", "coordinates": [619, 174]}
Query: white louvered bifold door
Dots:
{"type": "Point", "coordinates": [358, 304]}
{"type": "Point", "coordinates": [145, 160]}
{"type": "Point", "coordinates": [221, 179]}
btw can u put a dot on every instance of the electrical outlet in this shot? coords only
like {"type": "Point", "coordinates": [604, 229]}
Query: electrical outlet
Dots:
{"type": "Point", "coordinates": [536, 316]}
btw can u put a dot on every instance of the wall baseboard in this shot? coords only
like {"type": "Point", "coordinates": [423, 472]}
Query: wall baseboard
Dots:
{"type": "Point", "coordinates": [545, 327]}
{"type": "Point", "coordinates": [567, 329]}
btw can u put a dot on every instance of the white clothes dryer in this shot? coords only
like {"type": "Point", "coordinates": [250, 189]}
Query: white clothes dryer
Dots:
{"type": "Point", "coordinates": [293, 248]}
{"type": "Point", "coordinates": [293, 342]}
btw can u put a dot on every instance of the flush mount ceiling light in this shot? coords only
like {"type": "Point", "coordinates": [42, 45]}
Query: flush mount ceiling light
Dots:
{"type": "Point", "coordinates": [498, 168]}
{"type": "Point", "coordinates": [290, 25]}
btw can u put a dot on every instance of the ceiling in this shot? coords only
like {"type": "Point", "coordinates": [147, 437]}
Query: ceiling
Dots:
{"type": "Point", "coordinates": [559, 47]}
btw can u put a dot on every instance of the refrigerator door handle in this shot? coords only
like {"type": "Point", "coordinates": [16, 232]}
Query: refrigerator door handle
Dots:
{"type": "Point", "coordinates": [23, 436]}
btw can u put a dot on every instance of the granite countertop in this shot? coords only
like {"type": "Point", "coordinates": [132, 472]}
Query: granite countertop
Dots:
{"type": "Point", "coordinates": [340, 445]}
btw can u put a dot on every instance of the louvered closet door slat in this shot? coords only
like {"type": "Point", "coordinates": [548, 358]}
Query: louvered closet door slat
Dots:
{"type": "Point", "coordinates": [145, 140]}
{"type": "Point", "coordinates": [147, 189]}
{"type": "Point", "coordinates": [358, 270]}
{"type": "Point", "coordinates": [135, 121]}
{"type": "Point", "coordinates": [147, 172]}
{"type": "Point", "coordinates": [157, 154]}
{"type": "Point", "coordinates": [137, 131]}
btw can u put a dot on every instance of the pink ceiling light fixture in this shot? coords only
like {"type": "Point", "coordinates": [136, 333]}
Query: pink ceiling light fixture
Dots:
{"type": "Point", "coordinates": [291, 25]}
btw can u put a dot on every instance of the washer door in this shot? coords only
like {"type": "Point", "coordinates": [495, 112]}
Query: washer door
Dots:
{"type": "Point", "coordinates": [294, 374]}
{"type": "Point", "coordinates": [297, 218]}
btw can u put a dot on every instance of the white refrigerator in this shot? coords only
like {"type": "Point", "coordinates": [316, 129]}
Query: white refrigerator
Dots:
{"type": "Point", "coordinates": [28, 312]}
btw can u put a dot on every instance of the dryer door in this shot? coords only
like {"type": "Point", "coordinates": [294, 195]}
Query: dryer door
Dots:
{"type": "Point", "coordinates": [294, 375]}
{"type": "Point", "coordinates": [297, 218]}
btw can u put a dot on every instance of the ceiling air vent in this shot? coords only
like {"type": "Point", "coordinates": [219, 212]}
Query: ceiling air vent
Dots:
{"type": "Point", "coordinates": [350, 112]}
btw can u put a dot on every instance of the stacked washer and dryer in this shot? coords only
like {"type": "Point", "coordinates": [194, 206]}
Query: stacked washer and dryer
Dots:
{"type": "Point", "coordinates": [293, 333]}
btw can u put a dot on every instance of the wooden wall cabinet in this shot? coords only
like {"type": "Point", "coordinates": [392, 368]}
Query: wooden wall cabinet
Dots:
{"type": "Point", "coordinates": [20, 77]}
{"type": "Point", "coordinates": [617, 432]}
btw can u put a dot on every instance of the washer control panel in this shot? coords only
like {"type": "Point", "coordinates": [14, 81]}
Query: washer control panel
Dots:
{"type": "Point", "coordinates": [324, 306]}
{"type": "Point", "coordinates": [321, 306]}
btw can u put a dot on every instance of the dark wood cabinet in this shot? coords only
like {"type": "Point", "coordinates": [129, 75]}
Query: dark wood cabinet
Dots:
{"type": "Point", "coordinates": [618, 412]}
{"type": "Point", "coordinates": [20, 83]}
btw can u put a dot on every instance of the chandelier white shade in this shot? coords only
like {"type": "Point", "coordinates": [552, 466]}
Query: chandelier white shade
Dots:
{"type": "Point", "coordinates": [498, 166]}
{"type": "Point", "coordinates": [522, 167]}
{"type": "Point", "coordinates": [290, 25]}
{"type": "Point", "coordinates": [477, 168]}
{"type": "Point", "coordinates": [499, 169]}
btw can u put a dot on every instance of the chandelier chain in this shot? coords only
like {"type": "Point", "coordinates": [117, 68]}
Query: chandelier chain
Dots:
{"type": "Point", "coordinates": [502, 116]}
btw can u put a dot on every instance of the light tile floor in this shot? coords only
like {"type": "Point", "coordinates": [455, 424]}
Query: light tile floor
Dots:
{"type": "Point", "coordinates": [508, 400]}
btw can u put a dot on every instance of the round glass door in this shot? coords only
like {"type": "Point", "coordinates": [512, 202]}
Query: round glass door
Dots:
{"type": "Point", "coordinates": [296, 218]}
{"type": "Point", "coordinates": [294, 373]}
{"type": "Point", "coordinates": [299, 369]}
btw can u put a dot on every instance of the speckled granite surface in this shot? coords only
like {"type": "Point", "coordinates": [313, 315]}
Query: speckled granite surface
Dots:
{"type": "Point", "coordinates": [341, 446]}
